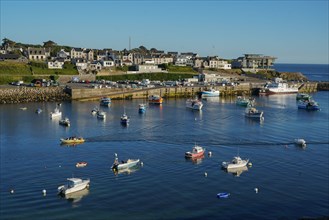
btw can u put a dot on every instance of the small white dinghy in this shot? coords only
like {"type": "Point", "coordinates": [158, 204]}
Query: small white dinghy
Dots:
{"type": "Point", "coordinates": [300, 142]}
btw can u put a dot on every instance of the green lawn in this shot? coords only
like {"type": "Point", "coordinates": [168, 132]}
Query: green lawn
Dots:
{"type": "Point", "coordinates": [13, 71]}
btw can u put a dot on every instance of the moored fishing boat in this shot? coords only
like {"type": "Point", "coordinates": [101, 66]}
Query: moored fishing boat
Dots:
{"type": "Point", "coordinates": [197, 151]}
{"type": "Point", "coordinates": [278, 87]}
{"type": "Point", "coordinates": [141, 108]}
{"type": "Point", "coordinates": [55, 113]}
{"type": "Point", "coordinates": [124, 119]}
{"type": "Point", "coordinates": [81, 164]}
{"type": "Point", "coordinates": [65, 122]}
{"type": "Point", "coordinates": [124, 164]}
{"type": "Point", "coordinates": [155, 99]}
{"type": "Point", "coordinates": [300, 142]}
{"type": "Point", "coordinates": [308, 105]}
{"type": "Point", "coordinates": [237, 162]}
{"type": "Point", "coordinates": [94, 111]}
{"type": "Point", "coordinates": [252, 112]}
{"type": "Point", "coordinates": [303, 96]}
{"type": "Point", "coordinates": [210, 93]}
{"type": "Point", "coordinates": [101, 114]}
{"type": "Point", "coordinates": [194, 104]}
{"type": "Point", "coordinates": [242, 101]}
{"type": "Point", "coordinates": [38, 110]}
{"type": "Point", "coordinates": [105, 101]}
{"type": "Point", "coordinates": [73, 185]}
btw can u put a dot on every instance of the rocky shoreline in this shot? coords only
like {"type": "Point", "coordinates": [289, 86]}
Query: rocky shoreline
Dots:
{"type": "Point", "coordinates": [31, 94]}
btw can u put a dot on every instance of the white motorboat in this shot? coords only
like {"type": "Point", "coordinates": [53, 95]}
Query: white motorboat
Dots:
{"type": "Point", "coordinates": [123, 164]}
{"type": "Point", "coordinates": [65, 122]}
{"type": "Point", "coordinates": [237, 162]}
{"type": "Point", "coordinates": [194, 104]}
{"type": "Point", "coordinates": [101, 115]}
{"type": "Point", "coordinates": [210, 93]}
{"type": "Point", "coordinates": [105, 101]}
{"type": "Point", "coordinates": [252, 112]}
{"type": "Point", "coordinates": [55, 113]}
{"type": "Point", "coordinates": [141, 108]}
{"type": "Point", "coordinates": [125, 119]}
{"type": "Point", "coordinates": [73, 185]}
{"type": "Point", "coordinates": [94, 111]}
{"type": "Point", "coordinates": [300, 142]}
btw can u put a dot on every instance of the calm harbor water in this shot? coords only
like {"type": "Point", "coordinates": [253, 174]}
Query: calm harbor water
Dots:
{"type": "Point", "coordinates": [292, 182]}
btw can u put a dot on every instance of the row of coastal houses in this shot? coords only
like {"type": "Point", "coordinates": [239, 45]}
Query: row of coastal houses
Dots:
{"type": "Point", "coordinates": [89, 59]}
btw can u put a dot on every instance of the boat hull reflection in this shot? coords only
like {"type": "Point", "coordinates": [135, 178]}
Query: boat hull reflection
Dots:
{"type": "Point", "coordinates": [195, 160]}
{"type": "Point", "coordinates": [126, 171]}
{"type": "Point", "coordinates": [237, 171]}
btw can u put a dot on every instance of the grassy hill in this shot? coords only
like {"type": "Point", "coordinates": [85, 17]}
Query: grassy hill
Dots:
{"type": "Point", "coordinates": [13, 71]}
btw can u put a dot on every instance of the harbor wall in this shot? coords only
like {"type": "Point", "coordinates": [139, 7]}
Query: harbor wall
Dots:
{"type": "Point", "coordinates": [245, 89]}
{"type": "Point", "coordinates": [45, 94]}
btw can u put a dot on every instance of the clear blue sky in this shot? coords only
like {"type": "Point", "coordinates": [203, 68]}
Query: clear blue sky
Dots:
{"type": "Point", "coordinates": [293, 31]}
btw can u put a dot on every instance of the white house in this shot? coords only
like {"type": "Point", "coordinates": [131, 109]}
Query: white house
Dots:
{"type": "Point", "coordinates": [96, 65]}
{"type": "Point", "coordinates": [107, 63]}
{"type": "Point", "coordinates": [56, 64]}
{"type": "Point", "coordinates": [81, 64]}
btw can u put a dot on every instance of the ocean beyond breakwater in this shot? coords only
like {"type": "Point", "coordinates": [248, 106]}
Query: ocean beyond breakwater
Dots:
{"type": "Point", "coordinates": [32, 94]}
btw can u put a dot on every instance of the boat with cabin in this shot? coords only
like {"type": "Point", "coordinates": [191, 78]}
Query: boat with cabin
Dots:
{"type": "Point", "coordinates": [94, 111]}
{"type": "Point", "coordinates": [123, 164]}
{"type": "Point", "coordinates": [124, 119]}
{"type": "Point", "coordinates": [65, 122]}
{"type": "Point", "coordinates": [308, 105]}
{"type": "Point", "coordinates": [303, 96]}
{"type": "Point", "coordinates": [194, 104]}
{"type": "Point", "coordinates": [105, 101]}
{"type": "Point", "coordinates": [155, 99]}
{"type": "Point", "coordinates": [243, 101]}
{"type": "Point", "coordinates": [73, 185]}
{"type": "Point", "coordinates": [141, 108]}
{"type": "Point", "coordinates": [252, 112]}
{"type": "Point", "coordinates": [210, 93]}
{"type": "Point", "coordinates": [197, 151]}
{"type": "Point", "coordinates": [237, 162]}
{"type": "Point", "coordinates": [278, 87]}
{"type": "Point", "coordinates": [56, 113]}
{"type": "Point", "coordinates": [81, 164]}
{"type": "Point", "coordinates": [101, 114]}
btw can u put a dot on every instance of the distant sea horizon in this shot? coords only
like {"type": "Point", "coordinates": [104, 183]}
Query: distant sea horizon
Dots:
{"type": "Point", "coordinates": [314, 72]}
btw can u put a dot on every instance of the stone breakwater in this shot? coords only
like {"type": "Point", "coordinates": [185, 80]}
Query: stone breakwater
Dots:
{"type": "Point", "coordinates": [30, 94]}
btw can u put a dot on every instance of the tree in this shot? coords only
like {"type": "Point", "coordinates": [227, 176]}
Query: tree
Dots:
{"type": "Point", "coordinates": [8, 43]}
{"type": "Point", "coordinates": [49, 43]}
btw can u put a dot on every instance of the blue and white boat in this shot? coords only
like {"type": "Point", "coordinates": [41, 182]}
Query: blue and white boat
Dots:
{"type": "Point", "coordinates": [308, 105]}
{"type": "Point", "coordinates": [210, 93]}
{"type": "Point", "coordinates": [105, 101]}
{"type": "Point", "coordinates": [141, 108]}
{"type": "Point", "coordinates": [38, 110]}
{"type": "Point", "coordinates": [223, 195]}
{"type": "Point", "coordinates": [125, 119]}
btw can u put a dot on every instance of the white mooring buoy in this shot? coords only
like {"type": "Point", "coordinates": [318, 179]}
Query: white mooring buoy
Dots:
{"type": "Point", "coordinates": [205, 174]}
{"type": "Point", "coordinates": [256, 190]}
{"type": "Point", "coordinates": [44, 192]}
{"type": "Point", "coordinates": [209, 153]}
{"type": "Point", "coordinates": [142, 164]}
{"type": "Point", "coordinates": [12, 191]}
